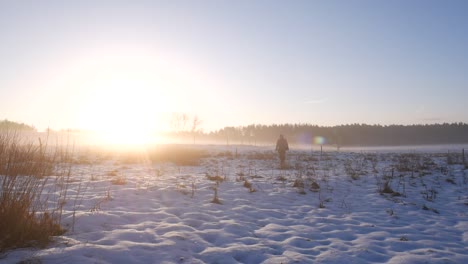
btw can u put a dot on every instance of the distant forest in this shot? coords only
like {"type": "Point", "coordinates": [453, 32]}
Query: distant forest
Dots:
{"type": "Point", "coordinates": [307, 134]}
{"type": "Point", "coordinates": [343, 135]}
{"type": "Point", "coordinates": [10, 125]}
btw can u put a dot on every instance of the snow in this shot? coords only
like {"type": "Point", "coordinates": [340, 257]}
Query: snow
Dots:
{"type": "Point", "coordinates": [153, 218]}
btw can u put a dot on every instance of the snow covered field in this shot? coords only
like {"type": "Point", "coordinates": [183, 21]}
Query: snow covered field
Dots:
{"type": "Point", "coordinates": [339, 207]}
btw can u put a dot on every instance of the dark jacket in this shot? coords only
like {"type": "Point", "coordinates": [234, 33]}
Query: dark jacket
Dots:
{"type": "Point", "coordinates": [282, 145]}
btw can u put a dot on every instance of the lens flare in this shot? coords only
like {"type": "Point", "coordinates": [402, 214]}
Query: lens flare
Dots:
{"type": "Point", "coordinates": [318, 140]}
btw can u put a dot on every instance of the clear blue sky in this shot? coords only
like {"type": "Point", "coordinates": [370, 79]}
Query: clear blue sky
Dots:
{"type": "Point", "coordinates": [79, 64]}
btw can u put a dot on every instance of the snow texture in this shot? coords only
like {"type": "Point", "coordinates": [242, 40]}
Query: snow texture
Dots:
{"type": "Point", "coordinates": [153, 218]}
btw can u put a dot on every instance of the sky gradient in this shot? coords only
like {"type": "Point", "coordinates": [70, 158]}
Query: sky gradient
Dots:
{"type": "Point", "coordinates": [88, 64]}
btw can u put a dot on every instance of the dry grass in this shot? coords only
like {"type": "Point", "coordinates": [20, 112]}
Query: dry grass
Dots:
{"type": "Point", "coordinates": [216, 199]}
{"type": "Point", "coordinates": [249, 186]}
{"type": "Point", "coordinates": [119, 181]}
{"type": "Point", "coordinates": [25, 170]}
{"type": "Point", "coordinates": [265, 155]}
{"type": "Point", "coordinates": [179, 155]}
{"type": "Point", "coordinates": [216, 178]}
{"type": "Point", "coordinates": [112, 173]}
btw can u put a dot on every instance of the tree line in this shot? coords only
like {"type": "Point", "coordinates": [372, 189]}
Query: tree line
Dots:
{"type": "Point", "coordinates": [11, 125]}
{"type": "Point", "coordinates": [187, 129]}
{"type": "Point", "coordinates": [342, 135]}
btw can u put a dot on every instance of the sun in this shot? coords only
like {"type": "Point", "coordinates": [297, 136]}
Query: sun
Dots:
{"type": "Point", "coordinates": [124, 112]}
{"type": "Point", "coordinates": [125, 129]}
{"type": "Point", "coordinates": [124, 95]}
{"type": "Point", "coordinates": [124, 126]}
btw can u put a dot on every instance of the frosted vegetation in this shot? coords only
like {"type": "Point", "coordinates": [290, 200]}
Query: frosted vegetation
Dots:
{"type": "Point", "coordinates": [232, 204]}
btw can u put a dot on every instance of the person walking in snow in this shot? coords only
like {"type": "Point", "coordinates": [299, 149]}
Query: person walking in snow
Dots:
{"type": "Point", "coordinates": [282, 146]}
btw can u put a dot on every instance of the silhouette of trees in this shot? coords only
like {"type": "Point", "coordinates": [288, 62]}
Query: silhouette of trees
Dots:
{"type": "Point", "coordinates": [187, 128]}
{"type": "Point", "coordinates": [10, 125]}
{"type": "Point", "coordinates": [344, 135]}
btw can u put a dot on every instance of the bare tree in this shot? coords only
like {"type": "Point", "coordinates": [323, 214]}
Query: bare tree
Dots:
{"type": "Point", "coordinates": [196, 122]}
{"type": "Point", "coordinates": [184, 118]}
{"type": "Point", "coordinates": [175, 122]}
{"type": "Point", "coordinates": [183, 125]}
{"type": "Point", "coordinates": [179, 121]}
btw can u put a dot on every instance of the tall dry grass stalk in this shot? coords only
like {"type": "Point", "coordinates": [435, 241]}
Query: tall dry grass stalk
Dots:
{"type": "Point", "coordinates": [33, 189]}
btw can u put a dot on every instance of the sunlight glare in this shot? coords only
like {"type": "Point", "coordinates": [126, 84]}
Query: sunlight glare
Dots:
{"type": "Point", "coordinates": [124, 126]}
{"type": "Point", "coordinates": [127, 94]}
{"type": "Point", "coordinates": [124, 111]}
